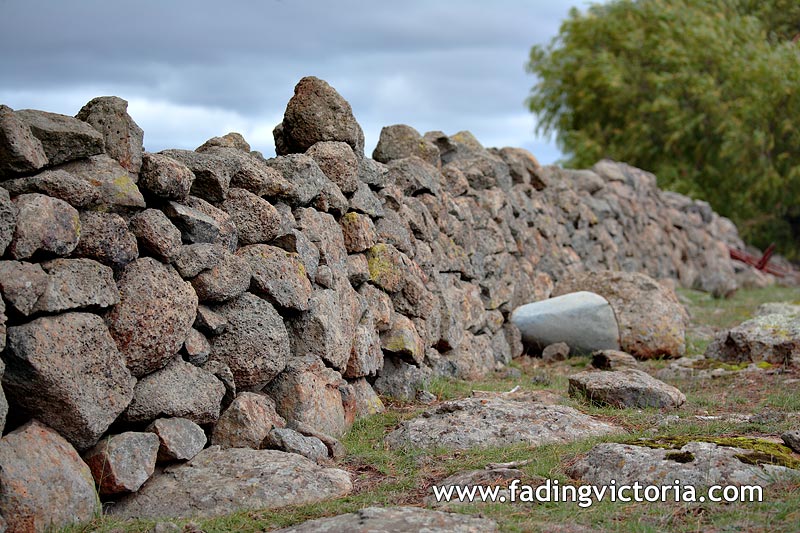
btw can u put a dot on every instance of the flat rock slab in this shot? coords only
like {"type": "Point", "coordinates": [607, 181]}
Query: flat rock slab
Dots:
{"type": "Point", "coordinates": [485, 422]}
{"type": "Point", "coordinates": [624, 388]}
{"type": "Point", "coordinates": [218, 482]}
{"type": "Point", "coordinates": [700, 464]}
{"type": "Point", "coordinates": [396, 519]}
{"type": "Point", "coordinates": [583, 320]}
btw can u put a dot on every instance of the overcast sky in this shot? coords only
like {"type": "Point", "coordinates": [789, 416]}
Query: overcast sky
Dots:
{"type": "Point", "coordinates": [191, 70]}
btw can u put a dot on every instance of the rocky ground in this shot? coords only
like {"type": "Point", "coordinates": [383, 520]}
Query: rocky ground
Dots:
{"type": "Point", "coordinates": [540, 420]}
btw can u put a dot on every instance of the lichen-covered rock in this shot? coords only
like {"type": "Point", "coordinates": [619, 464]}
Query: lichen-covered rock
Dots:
{"type": "Point", "coordinates": [358, 231]}
{"type": "Point", "coordinates": [226, 280]}
{"type": "Point", "coordinates": [278, 275]}
{"type": "Point", "coordinates": [22, 284]}
{"type": "Point", "coordinates": [255, 344]}
{"type": "Point", "coordinates": [164, 177]}
{"type": "Point", "coordinates": [403, 340]}
{"type": "Point", "coordinates": [156, 310]}
{"type": "Point", "coordinates": [246, 422]}
{"type": "Point", "coordinates": [43, 482]}
{"type": "Point", "coordinates": [773, 338]}
{"type": "Point", "coordinates": [58, 184]}
{"type": "Point", "coordinates": [317, 113]}
{"type": "Point", "coordinates": [115, 185]}
{"type": "Point", "coordinates": [338, 162]}
{"type": "Point", "coordinates": [20, 151]}
{"type": "Point", "coordinates": [387, 268]}
{"type": "Point", "coordinates": [122, 463]}
{"type": "Point", "coordinates": [366, 357]}
{"type": "Point", "coordinates": [156, 234]}
{"type": "Point", "coordinates": [652, 322]}
{"type": "Point", "coordinates": [45, 226]}
{"type": "Point", "coordinates": [63, 138]}
{"type": "Point", "coordinates": [66, 371]}
{"type": "Point", "coordinates": [105, 238]}
{"type": "Point", "coordinates": [123, 137]}
{"type": "Point", "coordinates": [400, 141]}
{"type": "Point", "coordinates": [179, 439]}
{"type": "Point", "coordinates": [309, 392]}
{"type": "Point", "coordinates": [256, 219]}
{"type": "Point", "coordinates": [179, 390]}
{"type": "Point", "coordinates": [218, 482]}
{"type": "Point", "coordinates": [482, 422]}
{"type": "Point", "coordinates": [366, 400]}
{"type": "Point", "coordinates": [624, 388]}
{"type": "Point", "coordinates": [77, 284]}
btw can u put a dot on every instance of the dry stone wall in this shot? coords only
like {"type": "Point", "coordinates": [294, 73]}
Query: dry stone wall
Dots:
{"type": "Point", "coordinates": [144, 286]}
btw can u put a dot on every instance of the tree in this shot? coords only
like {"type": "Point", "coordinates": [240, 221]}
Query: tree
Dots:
{"type": "Point", "coordinates": [703, 93]}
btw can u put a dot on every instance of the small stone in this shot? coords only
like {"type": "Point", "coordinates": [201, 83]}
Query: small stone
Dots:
{"type": "Point", "coordinates": [227, 229]}
{"type": "Point", "coordinates": [613, 360]}
{"type": "Point", "coordinates": [357, 269]}
{"type": "Point", "coordinates": [400, 141]}
{"type": "Point", "coordinates": [105, 238]}
{"type": "Point", "coordinates": [197, 347]}
{"type": "Point", "coordinates": [156, 234]}
{"type": "Point", "coordinates": [558, 351]}
{"type": "Point", "coordinates": [209, 321]}
{"type": "Point", "coordinates": [772, 338]}
{"type": "Point", "coordinates": [164, 177]}
{"type": "Point", "coordinates": [403, 340]}
{"type": "Point", "coordinates": [195, 226]}
{"type": "Point", "coordinates": [624, 388]}
{"type": "Point", "coordinates": [179, 439]}
{"type": "Point", "coordinates": [22, 284]}
{"type": "Point", "coordinates": [45, 225]}
{"type": "Point", "coordinates": [195, 258]}
{"type": "Point", "coordinates": [398, 379]}
{"type": "Point", "coordinates": [366, 358]}
{"type": "Point", "coordinates": [289, 440]}
{"type": "Point", "coordinates": [122, 463]}
{"type": "Point", "coordinates": [359, 232]}
{"type": "Point", "coordinates": [212, 173]}
{"type": "Point", "coordinates": [246, 422]}
{"type": "Point", "coordinates": [792, 440]}
{"type": "Point", "coordinates": [367, 202]}
{"type": "Point", "coordinates": [367, 401]}
{"type": "Point", "coordinates": [338, 162]}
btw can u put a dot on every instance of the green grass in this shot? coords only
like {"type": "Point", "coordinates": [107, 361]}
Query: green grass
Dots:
{"type": "Point", "coordinates": [713, 410]}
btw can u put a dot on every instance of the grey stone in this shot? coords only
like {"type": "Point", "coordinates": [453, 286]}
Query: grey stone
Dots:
{"type": "Point", "coordinates": [403, 340]}
{"type": "Point", "coordinates": [218, 482]}
{"type": "Point", "coordinates": [22, 284]}
{"type": "Point", "coordinates": [624, 388]}
{"type": "Point", "coordinates": [398, 379]}
{"type": "Point", "coordinates": [251, 172]}
{"type": "Point", "coordinates": [357, 269]}
{"type": "Point", "coordinates": [246, 422]}
{"type": "Point", "coordinates": [122, 463]}
{"type": "Point", "coordinates": [255, 345]}
{"type": "Point", "coordinates": [488, 477]}
{"type": "Point", "coordinates": [226, 280]}
{"type": "Point", "coordinates": [156, 235]}
{"type": "Point", "coordinates": [179, 439]}
{"type": "Point", "coordinates": [306, 179]}
{"type": "Point", "coordinates": [309, 392]}
{"type": "Point", "coordinates": [77, 284]}
{"type": "Point", "coordinates": [151, 321]}
{"type": "Point", "coordinates": [116, 187]}
{"type": "Point", "coordinates": [278, 275]}
{"type": "Point", "coordinates": [197, 347]}
{"type": "Point", "coordinates": [317, 113]}
{"type": "Point", "coordinates": [380, 519]}
{"type": "Point", "coordinates": [613, 360]}
{"type": "Point", "coordinates": [212, 173]}
{"type": "Point", "coordinates": [400, 141]}
{"type": "Point", "coordinates": [8, 220]}
{"type": "Point", "coordinates": [289, 440]}
{"type": "Point", "coordinates": [105, 238]}
{"type": "Point", "coordinates": [379, 304]}
{"type": "Point", "coordinates": [63, 138]}
{"type": "Point", "coordinates": [66, 371]}
{"type": "Point", "coordinates": [583, 320]}
{"type": "Point", "coordinates": [778, 308]}
{"type": "Point", "coordinates": [195, 258]}
{"type": "Point", "coordinates": [296, 242]}
{"type": "Point", "coordinates": [771, 338]}
{"type": "Point", "coordinates": [123, 137]}
{"type": "Point", "coordinates": [227, 229]}
{"type": "Point", "coordinates": [414, 176]}
{"type": "Point", "coordinates": [792, 440]}
{"type": "Point", "coordinates": [484, 422]}
{"type": "Point", "coordinates": [53, 491]}
{"type": "Point", "coordinates": [45, 226]}
{"type": "Point", "coordinates": [230, 140]}
{"type": "Point", "coordinates": [256, 220]}
{"type": "Point", "coordinates": [367, 401]}
{"type": "Point", "coordinates": [367, 202]}
{"type": "Point", "coordinates": [179, 390]}
{"type": "Point", "coordinates": [558, 351]}
{"type": "Point", "coordinates": [699, 464]}
{"type": "Point", "coordinates": [366, 357]}
{"type": "Point", "coordinates": [209, 321]}
{"type": "Point", "coordinates": [20, 151]}
{"type": "Point", "coordinates": [164, 177]}
{"type": "Point", "coordinates": [58, 184]}
{"type": "Point", "coordinates": [338, 162]}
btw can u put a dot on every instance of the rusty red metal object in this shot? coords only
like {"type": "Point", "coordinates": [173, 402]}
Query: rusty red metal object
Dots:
{"type": "Point", "coordinates": [760, 263]}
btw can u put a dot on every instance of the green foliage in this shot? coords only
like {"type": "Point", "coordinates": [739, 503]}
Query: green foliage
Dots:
{"type": "Point", "coordinates": [703, 93]}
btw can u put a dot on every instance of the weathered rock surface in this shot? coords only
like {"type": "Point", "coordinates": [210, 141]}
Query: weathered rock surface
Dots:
{"type": "Point", "coordinates": [63, 138]}
{"type": "Point", "coordinates": [43, 482]}
{"type": "Point", "coordinates": [179, 390]}
{"type": "Point", "coordinates": [77, 284]}
{"type": "Point", "coordinates": [613, 360]}
{"type": "Point", "coordinates": [116, 187]}
{"type": "Point", "coordinates": [20, 151]}
{"type": "Point", "coordinates": [3, 401]}
{"type": "Point", "coordinates": [377, 519]}
{"type": "Point", "coordinates": [773, 338]}
{"type": "Point", "coordinates": [256, 219]}
{"type": "Point", "coordinates": [792, 440]}
{"type": "Point", "coordinates": [179, 439]}
{"type": "Point", "coordinates": [164, 177]}
{"type": "Point", "coordinates": [481, 422]}
{"type": "Point", "coordinates": [66, 371]}
{"type": "Point", "coordinates": [558, 351]}
{"type": "Point", "coordinates": [218, 482]}
{"type": "Point", "coordinates": [255, 343]}
{"type": "Point", "coordinates": [156, 310]}
{"type": "Point", "coordinates": [227, 279]}
{"type": "Point", "coordinates": [246, 422]}
{"type": "Point", "coordinates": [22, 284]}
{"type": "Point", "coordinates": [58, 184]}
{"type": "Point", "coordinates": [624, 388]}
{"type": "Point", "coordinates": [278, 275]}
{"type": "Point", "coordinates": [337, 160]}
{"type": "Point", "coordinates": [289, 440]}
{"type": "Point", "coordinates": [156, 234]}
{"type": "Point", "coordinates": [699, 464]}
{"type": "Point", "coordinates": [8, 219]}
{"type": "Point", "coordinates": [45, 226]}
{"type": "Point", "coordinates": [400, 141]}
{"type": "Point", "coordinates": [122, 463]}
{"type": "Point", "coordinates": [366, 400]}
{"type": "Point", "coordinates": [105, 237]}
{"type": "Point", "coordinates": [123, 137]}
{"type": "Point", "coordinates": [651, 320]}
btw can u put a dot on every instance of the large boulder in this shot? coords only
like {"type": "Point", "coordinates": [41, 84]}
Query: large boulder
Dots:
{"type": "Point", "coordinates": [652, 322]}
{"type": "Point", "coordinates": [255, 343]}
{"type": "Point", "coordinates": [63, 138]}
{"type": "Point", "coordinates": [45, 226]}
{"type": "Point", "coordinates": [20, 151]}
{"type": "Point", "coordinates": [317, 113]}
{"type": "Point", "coordinates": [123, 137]}
{"type": "Point", "coordinates": [772, 338]}
{"type": "Point", "coordinates": [66, 371]}
{"type": "Point", "coordinates": [624, 388]}
{"type": "Point", "coordinates": [43, 482]}
{"type": "Point", "coordinates": [218, 482]}
{"type": "Point", "coordinates": [156, 310]}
